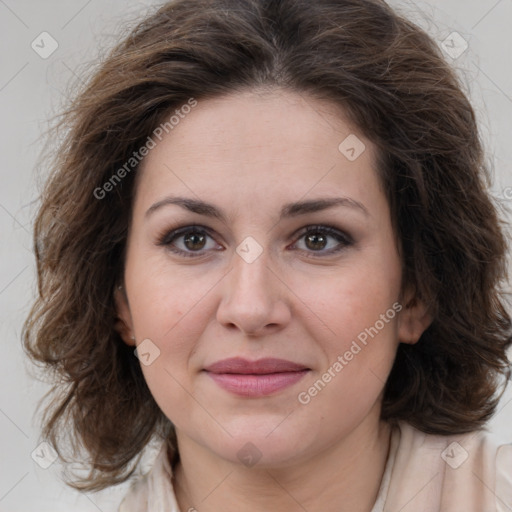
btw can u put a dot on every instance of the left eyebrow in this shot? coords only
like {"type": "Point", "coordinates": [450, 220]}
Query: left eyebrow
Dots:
{"type": "Point", "coordinates": [288, 210]}
{"type": "Point", "coordinates": [316, 205]}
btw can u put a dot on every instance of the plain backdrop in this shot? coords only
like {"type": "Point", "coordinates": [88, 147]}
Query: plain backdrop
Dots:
{"type": "Point", "coordinates": [32, 89]}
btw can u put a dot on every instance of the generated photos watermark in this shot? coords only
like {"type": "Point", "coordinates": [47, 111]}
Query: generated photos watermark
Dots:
{"type": "Point", "coordinates": [344, 359]}
{"type": "Point", "coordinates": [137, 156]}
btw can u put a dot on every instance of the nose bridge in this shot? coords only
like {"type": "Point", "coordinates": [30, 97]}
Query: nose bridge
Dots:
{"type": "Point", "coordinates": [251, 278]}
{"type": "Point", "coordinates": [252, 299]}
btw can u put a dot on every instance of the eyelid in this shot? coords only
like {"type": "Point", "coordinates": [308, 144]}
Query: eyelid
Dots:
{"type": "Point", "coordinates": [168, 236]}
{"type": "Point", "coordinates": [344, 239]}
{"type": "Point", "coordinates": [326, 228]}
{"type": "Point", "coordinates": [171, 233]}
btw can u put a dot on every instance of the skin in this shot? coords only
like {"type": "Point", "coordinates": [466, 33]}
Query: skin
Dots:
{"type": "Point", "coordinates": [250, 153]}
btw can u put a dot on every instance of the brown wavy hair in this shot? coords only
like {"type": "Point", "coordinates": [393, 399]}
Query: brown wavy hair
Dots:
{"type": "Point", "coordinates": [391, 80]}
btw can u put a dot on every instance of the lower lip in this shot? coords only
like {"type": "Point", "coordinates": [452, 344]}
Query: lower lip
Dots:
{"type": "Point", "coordinates": [256, 385]}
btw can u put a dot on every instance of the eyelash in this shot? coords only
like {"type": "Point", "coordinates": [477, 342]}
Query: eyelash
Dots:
{"type": "Point", "coordinates": [169, 237]}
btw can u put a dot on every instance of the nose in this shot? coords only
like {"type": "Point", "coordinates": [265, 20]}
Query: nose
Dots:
{"type": "Point", "coordinates": [254, 299]}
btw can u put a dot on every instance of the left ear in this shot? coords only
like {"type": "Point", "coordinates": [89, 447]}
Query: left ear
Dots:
{"type": "Point", "coordinates": [413, 319]}
{"type": "Point", "coordinates": [123, 323]}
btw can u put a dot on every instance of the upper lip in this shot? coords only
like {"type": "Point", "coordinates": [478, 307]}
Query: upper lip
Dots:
{"type": "Point", "coordinates": [261, 366]}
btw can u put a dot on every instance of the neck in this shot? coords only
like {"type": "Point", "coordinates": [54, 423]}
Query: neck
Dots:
{"type": "Point", "coordinates": [344, 478]}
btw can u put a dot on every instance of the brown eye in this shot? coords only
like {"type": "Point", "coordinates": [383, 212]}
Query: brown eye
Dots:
{"type": "Point", "coordinates": [194, 241]}
{"type": "Point", "coordinates": [189, 241]}
{"type": "Point", "coordinates": [316, 241]}
{"type": "Point", "coordinates": [322, 240]}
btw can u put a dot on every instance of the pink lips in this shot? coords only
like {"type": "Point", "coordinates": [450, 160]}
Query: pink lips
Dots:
{"type": "Point", "coordinates": [255, 378]}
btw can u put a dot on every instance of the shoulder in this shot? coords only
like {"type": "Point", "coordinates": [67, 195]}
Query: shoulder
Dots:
{"type": "Point", "coordinates": [467, 472]}
{"type": "Point", "coordinates": [504, 478]}
{"type": "Point", "coordinates": [137, 497]}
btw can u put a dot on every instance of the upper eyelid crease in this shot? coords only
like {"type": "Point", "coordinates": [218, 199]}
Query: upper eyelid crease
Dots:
{"type": "Point", "coordinates": [288, 210]}
{"type": "Point", "coordinates": [341, 236]}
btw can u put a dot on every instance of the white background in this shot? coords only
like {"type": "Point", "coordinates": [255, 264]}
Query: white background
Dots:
{"type": "Point", "coordinates": [31, 90]}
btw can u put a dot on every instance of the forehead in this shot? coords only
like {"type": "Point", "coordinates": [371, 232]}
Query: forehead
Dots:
{"type": "Point", "coordinates": [260, 145]}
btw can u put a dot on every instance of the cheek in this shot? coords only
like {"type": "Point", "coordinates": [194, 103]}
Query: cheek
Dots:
{"type": "Point", "coordinates": [176, 333]}
{"type": "Point", "coordinates": [351, 299]}
{"type": "Point", "coordinates": [358, 358]}
{"type": "Point", "coordinates": [167, 297]}
{"type": "Point", "coordinates": [355, 320]}
{"type": "Point", "coordinates": [169, 309]}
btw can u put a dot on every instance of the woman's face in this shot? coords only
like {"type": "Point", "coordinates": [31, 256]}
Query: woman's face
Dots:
{"type": "Point", "coordinates": [260, 233]}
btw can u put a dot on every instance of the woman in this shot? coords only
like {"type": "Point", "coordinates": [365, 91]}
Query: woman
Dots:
{"type": "Point", "coordinates": [268, 242]}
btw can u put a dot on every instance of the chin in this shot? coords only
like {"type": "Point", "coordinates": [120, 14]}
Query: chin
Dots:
{"type": "Point", "coordinates": [265, 442]}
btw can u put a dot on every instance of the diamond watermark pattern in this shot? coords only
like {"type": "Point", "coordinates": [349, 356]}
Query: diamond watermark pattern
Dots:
{"type": "Point", "coordinates": [44, 455]}
{"type": "Point", "coordinates": [44, 45]}
{"type": "Point", "coordinates": [249, 250]}
{"type": "Point", "coordinates": [249, 455]}
{"type": "Point", "coordinates": [147, 352]}
{"type": "Point", "coordinates": [454, 455]}
{"type": "Point", "coordinates": [507, 193]}
{"type": "Point", "coordinates": [352, 147]}
{"type": "Point", "coordinates": [454, 45]}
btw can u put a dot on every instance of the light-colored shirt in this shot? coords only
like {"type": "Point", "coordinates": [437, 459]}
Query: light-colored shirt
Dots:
{"type": "Point", "coordinates": [423, 473]}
